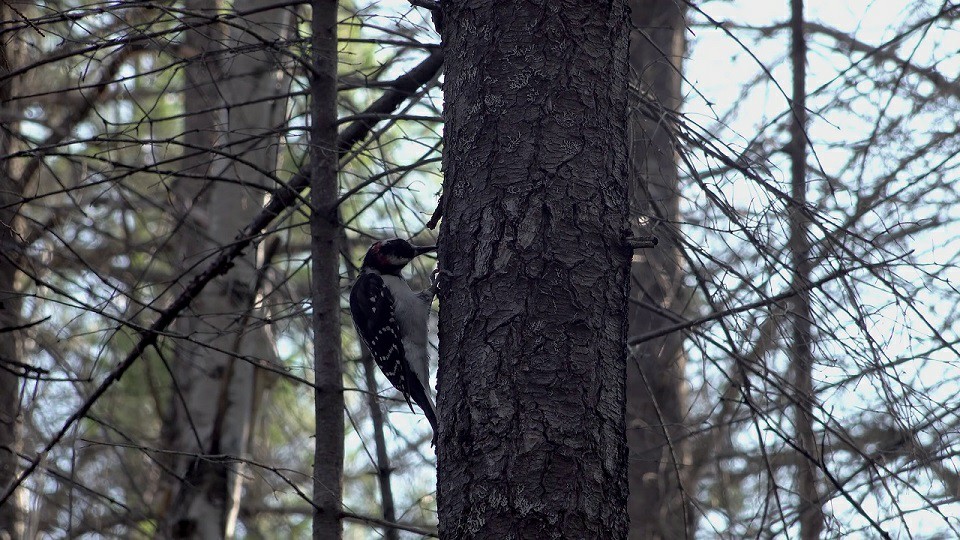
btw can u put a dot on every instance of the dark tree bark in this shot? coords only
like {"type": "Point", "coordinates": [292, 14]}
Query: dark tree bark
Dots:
{"type": "Point", "coordinates": [325, 277]}
{"type": "Point", "coordinates": [801, 343]}
{"type": "Point", "coordinates": [11, 248]}
{"type": "Point", "coordinates": [656, 387]}
{"type": "Point", "coordinates": [533, 312]}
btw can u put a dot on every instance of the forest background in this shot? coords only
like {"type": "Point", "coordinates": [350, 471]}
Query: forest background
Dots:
{"type": "Point", "coordinates": [793, 366]}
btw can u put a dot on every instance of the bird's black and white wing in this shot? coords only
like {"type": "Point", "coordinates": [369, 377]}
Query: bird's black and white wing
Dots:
{"type": "Point", "coordinates": [371, 305]}
{"type": "Point", "coordinates": [372, 308]}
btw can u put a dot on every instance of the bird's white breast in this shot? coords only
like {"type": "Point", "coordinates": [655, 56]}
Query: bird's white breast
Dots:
{"type": "Point", "coordinates": [411, 313]}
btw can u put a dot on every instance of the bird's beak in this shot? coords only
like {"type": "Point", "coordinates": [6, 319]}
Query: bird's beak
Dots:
{"type": "Point", "coordinates": [420, 250]}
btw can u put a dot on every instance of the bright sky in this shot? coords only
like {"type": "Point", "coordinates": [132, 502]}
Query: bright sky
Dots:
{"type": "Point", "coordinates": [718, 66]}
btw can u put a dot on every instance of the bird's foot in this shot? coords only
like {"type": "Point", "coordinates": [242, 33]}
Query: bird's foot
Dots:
{"type": "Point", "coordinates": [435, 278]}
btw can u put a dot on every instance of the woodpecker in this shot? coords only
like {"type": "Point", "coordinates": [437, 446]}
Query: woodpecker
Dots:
{"type": "Point", "coordinates": [391, 320]}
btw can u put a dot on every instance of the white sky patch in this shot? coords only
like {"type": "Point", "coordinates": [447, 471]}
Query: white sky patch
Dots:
{"type": "Point", "coordinates": [718, 67]}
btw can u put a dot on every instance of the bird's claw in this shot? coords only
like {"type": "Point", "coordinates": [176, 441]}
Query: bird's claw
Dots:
{"type": "Point", "coordinates": [435, 278]}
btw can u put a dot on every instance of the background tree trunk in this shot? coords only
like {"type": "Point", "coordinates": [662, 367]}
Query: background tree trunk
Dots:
{"type": "Point", "coordinates": [384, 470]}
{"type": "Point", "coordinates": [325, 276]}
{"type": "Point", "coordinates": [533, 315]}
{"type": "Point", "coordinates": [11, 250]}
{"type": "Point", "coordinates": [801, 342]}
{"type": "Point", "coordinates": [656, 385]}
{"type": "Point", "coordinates": [214, 380]}
{"type": "Point", "coordinates": [201, 104]}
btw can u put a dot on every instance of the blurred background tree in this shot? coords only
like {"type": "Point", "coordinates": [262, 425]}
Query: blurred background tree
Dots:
{"type": "Point", "coordinates": [139, 140]}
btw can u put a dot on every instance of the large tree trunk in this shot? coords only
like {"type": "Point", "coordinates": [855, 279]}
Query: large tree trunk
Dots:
{"type": "Point", "coordinates": [656, 388]}
{"type": "Point", "coordinates": [325, 278]}
{"type": "Point", "coordinates": [214, 377]}
{"type": "Point", "coordinates": [533, 314]}
{"type": "Point", "coordinates": [11, 248]}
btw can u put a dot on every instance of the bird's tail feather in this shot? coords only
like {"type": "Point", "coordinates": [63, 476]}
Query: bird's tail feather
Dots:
{"type": "Point", "coordinates": [420, 395]}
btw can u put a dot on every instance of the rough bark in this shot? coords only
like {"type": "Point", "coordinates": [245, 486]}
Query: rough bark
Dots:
{"type": "Point", "coordinates": [11, 248]}
{"type": "Point", "coordinates": [656, 387]}
{"type": "Point", "coordinates": [801, 343]}
{"type": "Point", "coordinates": [213, 405]}
{"type": "Point", "coordinates": [325, 276]}
{"type": "Point", "coordinates": [533, 312]}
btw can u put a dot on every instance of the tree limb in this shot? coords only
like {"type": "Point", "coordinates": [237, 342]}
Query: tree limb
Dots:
{"type": "Point", "coordinates": [281, 198]}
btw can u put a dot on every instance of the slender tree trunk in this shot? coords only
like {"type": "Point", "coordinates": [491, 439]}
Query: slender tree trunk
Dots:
{"type": "Point", "coordinates": [325, 232]}
{"type": "Point", "coordinates": [534, 311]}
{"type": "Point", "coordinates": [384, 469]}
{"type": "Point", "coordinates": [214, 378]}
{"type": "Point", "coordinates": [801, 350]}
{"type": "Point", "coordinates": [11, 248]}
{"type": "Point", "coordinates": [656, 386]}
